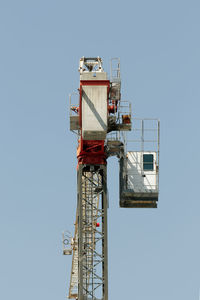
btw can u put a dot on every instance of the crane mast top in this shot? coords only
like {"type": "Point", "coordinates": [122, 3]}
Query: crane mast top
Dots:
{"type": "Point", "coordinates": [101, 121]}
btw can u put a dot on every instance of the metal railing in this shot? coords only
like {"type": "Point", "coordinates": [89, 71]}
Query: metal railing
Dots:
{"type": "Point", "coordinates": [124, 108]}
{"type": "Point", "coordinates": [115, 69]}
{"type": "Point", "coordinates": [73, 96]}
{"type": "Point", "coordinates": [145, 135]}
{"type": "Point", "coordinates": [144, 139]}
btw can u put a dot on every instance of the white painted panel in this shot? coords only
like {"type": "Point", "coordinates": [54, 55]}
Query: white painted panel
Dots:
{"type": "Point", "coordinates": [94, 112]}
{"type": "Point", "coordinates": [138, 179]}
{"type": "Point", "coordinates": [93, 76]}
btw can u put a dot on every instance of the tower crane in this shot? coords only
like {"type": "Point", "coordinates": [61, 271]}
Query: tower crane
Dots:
{"type": "Point", "coordinates": [101, 121]}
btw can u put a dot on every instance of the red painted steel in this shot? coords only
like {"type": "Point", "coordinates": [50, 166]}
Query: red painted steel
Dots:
{"type": "Point", "coordinates": [91, 152]}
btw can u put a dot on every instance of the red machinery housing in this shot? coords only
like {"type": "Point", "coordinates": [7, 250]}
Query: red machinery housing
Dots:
{"type": "Point", "coordinates": [94, 95]}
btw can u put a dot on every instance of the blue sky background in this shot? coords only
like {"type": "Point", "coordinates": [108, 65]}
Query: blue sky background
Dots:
{"type": "Point", "coordinates": [153, 254]}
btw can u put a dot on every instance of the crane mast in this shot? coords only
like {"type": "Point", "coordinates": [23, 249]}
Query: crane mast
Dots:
{"type": "Point", "coordinates": [92, 244]}
{"type": "Point", "coordinates": [100, 120]}
{"type": "Point", "coordinates": [89, 274]}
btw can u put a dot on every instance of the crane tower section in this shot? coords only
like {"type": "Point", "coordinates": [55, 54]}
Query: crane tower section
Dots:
{"type": "Point", "coordinates": [101, 120]}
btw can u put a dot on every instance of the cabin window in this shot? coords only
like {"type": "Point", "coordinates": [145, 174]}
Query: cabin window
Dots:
{"type": "Point", "coordinates": [148, 162]}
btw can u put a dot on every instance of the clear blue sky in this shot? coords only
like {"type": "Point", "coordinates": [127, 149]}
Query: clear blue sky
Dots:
{"type": "Point", "coordinates": [153, 254]}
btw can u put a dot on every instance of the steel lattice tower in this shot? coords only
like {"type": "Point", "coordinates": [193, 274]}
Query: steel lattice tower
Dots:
{"type": "Point", "coordinates": [92, 240]}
